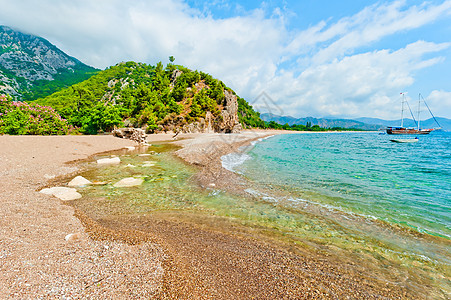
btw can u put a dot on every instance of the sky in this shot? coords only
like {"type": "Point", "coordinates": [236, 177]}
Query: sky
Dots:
{"type": "Point", "coordinates": [342, 59]}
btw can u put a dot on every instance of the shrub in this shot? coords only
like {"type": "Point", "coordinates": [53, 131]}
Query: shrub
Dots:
{"type": "Point", "coordinates": [23, 118]}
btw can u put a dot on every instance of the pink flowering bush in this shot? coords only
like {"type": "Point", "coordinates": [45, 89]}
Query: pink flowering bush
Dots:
{"type": "Point", "coordinates": [29, 118]}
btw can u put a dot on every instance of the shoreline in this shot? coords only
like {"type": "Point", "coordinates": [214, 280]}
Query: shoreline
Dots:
{"type": "Point", "coordinates": [213, 175]}
{"type": "Point", "coordinates": [36, 259]}
{"type": "Point", "coordinates": [187, 271]}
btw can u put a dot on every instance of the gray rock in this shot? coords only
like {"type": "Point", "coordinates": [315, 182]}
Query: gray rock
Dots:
{"type": "Point", "coordinates": [230, 122]}
{"type": "Point", "coordinates": [135, 134]}
{"type": "Point", "coordinates": [109, 161]}
{"type": "Point", "coordinates": [79, 181]}
{"type": "Point", "coordinates": [63, 193]}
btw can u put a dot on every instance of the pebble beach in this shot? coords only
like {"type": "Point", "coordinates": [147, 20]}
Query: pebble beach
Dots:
{"type": "Point", "coordinates": [50, 249]}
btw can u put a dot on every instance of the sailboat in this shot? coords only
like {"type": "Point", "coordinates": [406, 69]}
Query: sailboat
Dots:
{"type": "Point", "coordinates": [411, 130]}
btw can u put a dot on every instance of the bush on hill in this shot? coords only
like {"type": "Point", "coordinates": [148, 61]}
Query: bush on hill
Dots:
{"type": "Point", "coordinates": [145, 96]}
{"type": "Point", "coordinates": [23, 118]}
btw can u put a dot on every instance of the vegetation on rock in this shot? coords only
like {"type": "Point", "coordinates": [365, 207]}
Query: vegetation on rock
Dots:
{"type": "Point", "coordinates": [155, 97]}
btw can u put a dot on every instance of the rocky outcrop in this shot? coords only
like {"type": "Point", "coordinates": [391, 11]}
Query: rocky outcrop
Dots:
{"type": "Point", "coordinates": [135, 134]}
{"type": "Point", "coordinates": [175, 74]}
{"type": "Point", "coordinates": [230, 122]}
{"type": "Point", "coordinates": [226, 122]}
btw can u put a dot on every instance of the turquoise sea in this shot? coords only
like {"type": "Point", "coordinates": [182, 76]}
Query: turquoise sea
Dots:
{"type": "Point", "coordinates": [362, 173]}
{"type": "Point", "coordinates": [356, 197]}
{"type": "Point", "coordinates": [362, 193]}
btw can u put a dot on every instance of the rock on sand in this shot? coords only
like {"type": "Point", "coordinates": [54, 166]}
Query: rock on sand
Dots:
{"type": "Point", "coordinates": [72, 237]}
{"type": "Point", "coordinates": [63, 193]}
{"type": "Point", "coordinates": [79, 181]}
{"type": "Point", "coordinates": [129, 181]}
{"type": "Point", "coordinates": [109, 161]}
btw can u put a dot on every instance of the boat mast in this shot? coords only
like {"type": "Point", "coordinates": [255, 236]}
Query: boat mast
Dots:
{"type": "Point", "coordinates": [419, 95]}
{"type": "Point", "coordinates": [402, 110]}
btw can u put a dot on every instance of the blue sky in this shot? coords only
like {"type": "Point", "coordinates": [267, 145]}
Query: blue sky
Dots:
{"type": "Point", "coordinates": [311, 58]}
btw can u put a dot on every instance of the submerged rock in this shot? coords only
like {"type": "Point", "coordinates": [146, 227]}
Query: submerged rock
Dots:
{"type": "Point", "coordinates": [148, 164]}
{"type": "Point", "coordinates": [129, 181]}
{"type": "Point", "coordinates": [63, 193]}
{"type": "Point", "coordinates": [109, 161]}
{"type": "Point", "coordinates": [79, 181]}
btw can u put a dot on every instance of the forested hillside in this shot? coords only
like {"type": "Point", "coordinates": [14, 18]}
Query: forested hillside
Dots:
{"type": "Point", "coordinates": [155, 97]}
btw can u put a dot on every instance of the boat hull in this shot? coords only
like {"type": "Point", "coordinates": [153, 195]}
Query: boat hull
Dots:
{"type": "Point", "coordinates": [404, 140]}
{"type": "Point", "coordinates": [400, 130]}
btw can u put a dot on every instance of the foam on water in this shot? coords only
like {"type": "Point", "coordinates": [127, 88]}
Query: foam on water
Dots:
{"type": "Point", "coordinates": [232, 160]}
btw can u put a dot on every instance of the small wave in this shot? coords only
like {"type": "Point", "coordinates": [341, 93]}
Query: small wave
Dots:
{"type": "Point", "coordinates": [232, 160]}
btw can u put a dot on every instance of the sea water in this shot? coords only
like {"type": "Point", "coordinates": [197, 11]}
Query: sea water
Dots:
{"type": "Point", "coordinates": [366, 193]}
{"type": "Point", "coordinates": [356, 196]}
{"type": "Point", "coordinates": [362, 173]}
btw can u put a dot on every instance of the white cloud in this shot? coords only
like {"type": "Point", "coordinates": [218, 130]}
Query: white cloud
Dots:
{"type": "Point", "coordinates": [367, 26]}
{"type": "Point", "coordinates": [439, 101]}
{"type": "Point", "coordinates": [324, 73]}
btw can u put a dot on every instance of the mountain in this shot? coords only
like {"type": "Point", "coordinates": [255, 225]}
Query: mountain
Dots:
{"type": "Point", "coordinates": [32, 67]}
{"type": "Point", "coordinates": [445, 123]}
{"type": "Point", "coordinates": [158, 98]}
{"type": "Point", "coordinates": [325, 123]}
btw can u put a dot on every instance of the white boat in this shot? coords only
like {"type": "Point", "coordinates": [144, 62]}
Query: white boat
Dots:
{"type": "Point", "coordinates": [405, 140]}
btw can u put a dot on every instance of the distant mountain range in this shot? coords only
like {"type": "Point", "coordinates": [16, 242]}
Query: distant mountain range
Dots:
{"type": "Point", "coordinates": [359, 123]}
{"type": "Point", "coordinates": [445, 123]}
{"type": "Point", "coordinates": [345, 123]}
{"type": "Point", "coordinates": [31, 67]}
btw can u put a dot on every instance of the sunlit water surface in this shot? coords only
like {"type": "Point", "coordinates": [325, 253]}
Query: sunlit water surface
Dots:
{"type": "Point", "coordinates": [354, 195]}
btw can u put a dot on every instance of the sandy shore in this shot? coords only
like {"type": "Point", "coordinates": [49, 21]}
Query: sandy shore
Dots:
{"type": "Point", "coordinates": [169, 256]}
{"type": "Point", "coordinates": [35, 259]}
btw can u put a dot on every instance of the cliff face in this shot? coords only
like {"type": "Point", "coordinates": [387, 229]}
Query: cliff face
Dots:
{"type": "Point", "coordinates": [225, 122]}
{"type": "Point", "coordinates": [27, 63]}
{"type": "Point", "coordinates": [229, 122]}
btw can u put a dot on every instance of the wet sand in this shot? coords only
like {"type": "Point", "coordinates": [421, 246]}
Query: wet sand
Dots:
{"type": "Point", "coordinates": [164, 255]}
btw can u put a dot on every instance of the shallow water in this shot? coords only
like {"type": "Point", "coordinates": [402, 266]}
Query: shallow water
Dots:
{"type": "Point", "coordinates": [276, 206]}
{"type": "Point", "coordinates": [363, 173]}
